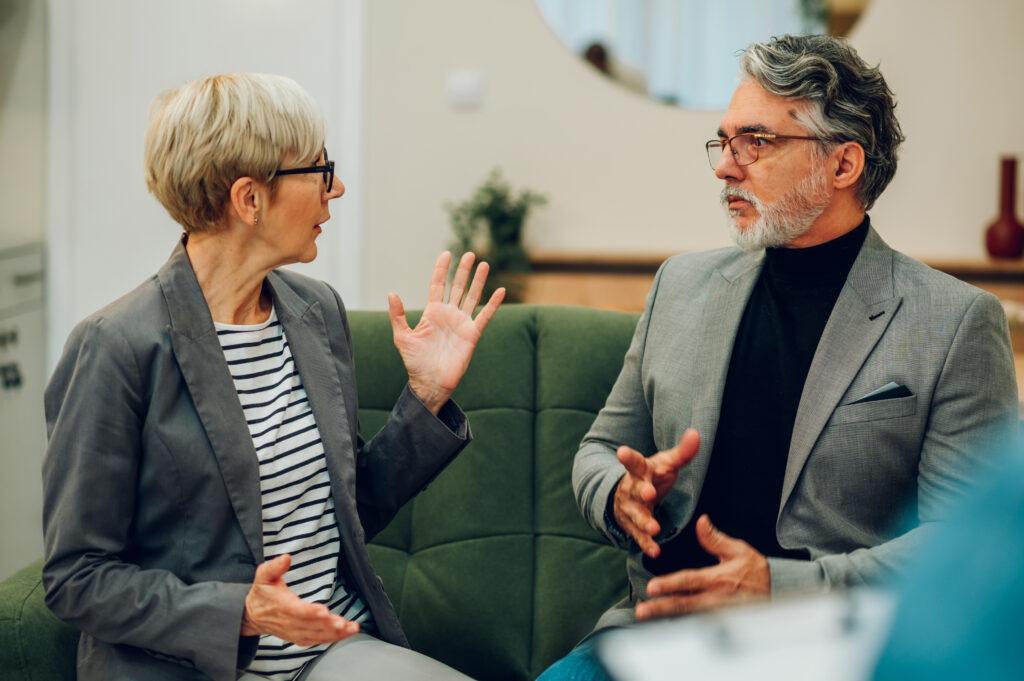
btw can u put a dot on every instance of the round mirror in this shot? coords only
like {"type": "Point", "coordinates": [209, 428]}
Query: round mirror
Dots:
{"type": "Point", "coordinates": [683, 52]}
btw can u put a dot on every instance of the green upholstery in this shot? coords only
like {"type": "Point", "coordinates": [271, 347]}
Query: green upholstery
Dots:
{"type": "Point", "coordinates": [491, 569]}
{"type": "Point", "coordinates": [33, 643]}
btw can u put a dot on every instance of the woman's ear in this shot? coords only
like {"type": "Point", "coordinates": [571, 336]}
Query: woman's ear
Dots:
{"type": "Point", "coordinates": [245, 200]}
{"type": "Point", "coordinates": [850, 166]}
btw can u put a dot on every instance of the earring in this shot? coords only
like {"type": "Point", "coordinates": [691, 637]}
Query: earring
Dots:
{"type": "Point", "coordinates": [255, 221]}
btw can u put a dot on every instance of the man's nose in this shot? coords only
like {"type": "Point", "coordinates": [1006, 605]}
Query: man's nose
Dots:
{"type": "Point", "coordinates": [727, 168]}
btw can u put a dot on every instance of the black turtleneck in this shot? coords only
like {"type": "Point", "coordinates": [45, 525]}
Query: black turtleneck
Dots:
{"type": "Point", "coordinates": [775, 343]}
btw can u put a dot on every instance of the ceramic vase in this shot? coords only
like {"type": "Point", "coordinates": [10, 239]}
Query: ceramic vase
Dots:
{"type": "Point", "coordinates": [1004, 238]}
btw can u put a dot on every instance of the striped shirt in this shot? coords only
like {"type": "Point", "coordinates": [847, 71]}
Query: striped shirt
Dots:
{"type": "Point", "coordinates": [298, 509]}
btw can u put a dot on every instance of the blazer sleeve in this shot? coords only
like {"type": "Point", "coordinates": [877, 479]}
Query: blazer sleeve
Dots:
{"type": "Point", "coordinates": [95, 408]}
{"type": "Point", "coordinates": [625, 419]}
{"type": "Point", "coordinates": [973, 415]}
{"type": "Point", "coordinates": [412, 449]}
{"type": "Point", "coordinates": [409, 451]}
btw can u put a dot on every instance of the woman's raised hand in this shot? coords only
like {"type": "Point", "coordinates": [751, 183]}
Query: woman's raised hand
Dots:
{"type": "Point", "coordinates": [437, 352]}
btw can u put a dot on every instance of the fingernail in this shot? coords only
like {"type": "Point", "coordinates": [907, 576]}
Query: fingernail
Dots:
{"type": "Point", "coordinates": [653, 588]}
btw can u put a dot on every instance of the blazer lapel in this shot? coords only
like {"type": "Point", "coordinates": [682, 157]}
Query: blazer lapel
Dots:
{"type": "Point", "coordinates": [863, 311]}
{"type": "Point", "coordinates": [729, 290]}
{"type": "Point", "coordinates": [306, 331]}
{"type": "Point", "coordinates": [209, 381]}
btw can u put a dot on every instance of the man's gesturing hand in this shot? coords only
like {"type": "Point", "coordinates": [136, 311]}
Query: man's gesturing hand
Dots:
{"type": "Point", "coordinates": [272, 608]}
{"type": "Point", "coordinates": [646, 482]}
{"type": "Point", "coordinates": [742, 574]}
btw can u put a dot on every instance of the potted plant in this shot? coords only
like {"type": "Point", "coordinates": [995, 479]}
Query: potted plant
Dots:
{"type": "Point", "coordinates": [490, 223]}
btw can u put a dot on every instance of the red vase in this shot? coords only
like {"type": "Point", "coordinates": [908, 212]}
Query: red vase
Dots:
{"type": "Point", "coordinates": [1004, 238]}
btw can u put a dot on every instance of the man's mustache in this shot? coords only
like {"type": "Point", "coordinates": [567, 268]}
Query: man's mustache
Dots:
{"type": "Point", "coordinates": [739, 192]}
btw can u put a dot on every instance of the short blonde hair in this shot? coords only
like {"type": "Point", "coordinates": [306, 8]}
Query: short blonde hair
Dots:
{"type": "Point", "coordinates": [206, 134]}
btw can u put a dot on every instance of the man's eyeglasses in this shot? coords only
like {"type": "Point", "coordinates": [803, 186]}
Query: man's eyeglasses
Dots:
{"type": "Point", "coordinates": [327, 169]}
{"type": "Point", "coordinates": [746, 145]}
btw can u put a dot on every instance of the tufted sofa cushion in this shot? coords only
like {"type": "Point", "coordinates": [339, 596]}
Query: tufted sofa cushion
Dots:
{"type": "Point", "coordinates": [492, 568]}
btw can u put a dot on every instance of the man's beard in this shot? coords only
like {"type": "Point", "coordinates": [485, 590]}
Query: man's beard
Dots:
{"type": "Point", "coordinates": [780, 222]}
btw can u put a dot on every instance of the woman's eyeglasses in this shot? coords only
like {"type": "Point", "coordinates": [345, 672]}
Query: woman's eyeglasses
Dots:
{"type": "Point", "coordinates": [327, 169]}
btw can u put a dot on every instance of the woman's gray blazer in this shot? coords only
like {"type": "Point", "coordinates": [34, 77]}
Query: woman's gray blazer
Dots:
{"type": "Point", "coordinates": [152, 512]}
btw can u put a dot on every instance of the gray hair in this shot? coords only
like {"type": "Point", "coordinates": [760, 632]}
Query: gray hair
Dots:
{"type": "Point", "coordinates": [206, 134]}
{"type": "Point", "coordinates": [848, 101]}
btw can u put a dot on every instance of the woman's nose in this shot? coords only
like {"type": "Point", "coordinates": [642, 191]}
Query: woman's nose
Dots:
{"type": "Point", "coordinates": [337, 189]}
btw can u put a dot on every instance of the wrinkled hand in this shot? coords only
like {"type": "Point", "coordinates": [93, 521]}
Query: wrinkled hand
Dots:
{"type": "Point", "coordinates": [741, 575]}
{"type": "Point", "coordinates": [646, 482]}
{"type": "Point", "coordinates": [437, 352]}
{"type": "Point", "coordinates": [272, 608]}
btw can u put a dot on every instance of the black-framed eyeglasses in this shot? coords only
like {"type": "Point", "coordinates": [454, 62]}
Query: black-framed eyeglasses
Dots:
{"type": "Point", "coordinates": [745, 146]}
{"type": "Point", "coordinates": [327, 169]}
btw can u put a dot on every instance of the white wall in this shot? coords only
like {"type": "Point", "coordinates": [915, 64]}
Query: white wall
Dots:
{"type": "Point", "coordinates": [22, 122]}
{"type": "Point", "coordinates": [955, 67]}
{"type": "Point", "coordinates": [109, 58]}
{"type": "Point", "coordinates": [22, 222]}
{"type": "Point", "coordinates": [621, 173]}
{"type": "Point", "coordinates": [628, 175]}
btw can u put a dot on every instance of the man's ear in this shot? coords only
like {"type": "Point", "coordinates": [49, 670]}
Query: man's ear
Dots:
{"type": "Point", "coordinates": [245, 200]}
{"type": "Point", "coordinates": [850, 165]}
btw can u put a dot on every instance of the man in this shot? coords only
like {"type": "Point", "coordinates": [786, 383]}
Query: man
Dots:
{"type": "Point", "coordinates": [799, 391]}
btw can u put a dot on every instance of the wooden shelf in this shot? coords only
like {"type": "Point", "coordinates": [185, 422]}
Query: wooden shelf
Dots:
{"type": "Point", "coordinates": [981, 268]}
{"type": "Point", "coordinates": [621, 281]}
{"type": "Point", "coordinates": [608, 281]}
{"type": "Point", "coordinates": [1002, 278]}
{"type": "Point", "coordinates": [635, 263]}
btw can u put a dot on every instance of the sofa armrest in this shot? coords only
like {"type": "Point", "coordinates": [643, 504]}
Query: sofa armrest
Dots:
{"type": "Point", "coordinates": [34, 644]}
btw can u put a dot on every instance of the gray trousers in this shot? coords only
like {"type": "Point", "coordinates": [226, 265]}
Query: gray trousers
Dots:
{"type": "Point", "coordinates": [364, 658]}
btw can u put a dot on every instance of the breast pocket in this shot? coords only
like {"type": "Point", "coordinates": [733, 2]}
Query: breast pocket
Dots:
{"type": "Point", "coordinates": [874, 411]}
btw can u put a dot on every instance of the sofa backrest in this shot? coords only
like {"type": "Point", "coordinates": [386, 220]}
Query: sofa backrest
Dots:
{"type": "Point", "coordinates": [492, 568]}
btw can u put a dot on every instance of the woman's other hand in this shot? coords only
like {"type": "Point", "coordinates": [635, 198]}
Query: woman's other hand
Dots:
{"type": "Point", "coordinates": [437, 352]}
{"type": "Point", "coordinates": [272, 608]}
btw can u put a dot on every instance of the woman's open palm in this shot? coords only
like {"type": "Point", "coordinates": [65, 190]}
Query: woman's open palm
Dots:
{"type": "Point", "coordinates": [437, 352]}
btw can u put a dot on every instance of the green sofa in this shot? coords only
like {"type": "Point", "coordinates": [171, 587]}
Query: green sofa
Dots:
{"type": "Point", "coordinates": [492, 569]}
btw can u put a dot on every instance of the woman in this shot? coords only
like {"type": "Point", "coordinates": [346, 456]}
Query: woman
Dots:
{"type": "Point", "coordinates": [207, 494]}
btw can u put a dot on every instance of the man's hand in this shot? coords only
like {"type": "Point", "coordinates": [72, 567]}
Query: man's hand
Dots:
{"type": "Point", "coordinates": [437, 352]}
{"type": "Point", "coordinates": [741, 575]}
{"type": "Point", "coordinates": [646, 482]}
{"type": "Point", "coordinates": [272, 608]}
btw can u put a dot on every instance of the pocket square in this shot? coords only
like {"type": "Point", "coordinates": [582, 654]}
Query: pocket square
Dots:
{"type": "Point", "coordinates": [886, 392]}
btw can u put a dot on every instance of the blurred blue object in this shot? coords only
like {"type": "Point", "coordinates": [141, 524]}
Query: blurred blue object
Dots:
{"type": "Point", "coordinates": [962, 603]}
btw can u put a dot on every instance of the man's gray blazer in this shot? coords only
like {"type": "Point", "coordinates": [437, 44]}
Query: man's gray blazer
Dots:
{"type": "Point", "coordinates": [853, 468]}
{"type": "Point", "coordinates": [152, 511]}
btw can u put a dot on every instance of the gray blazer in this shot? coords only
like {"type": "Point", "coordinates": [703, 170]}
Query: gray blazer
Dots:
{"type": "Point", "coordinates": [852, 468]}
{"type": "Point", "coordinates": [151, 485]}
